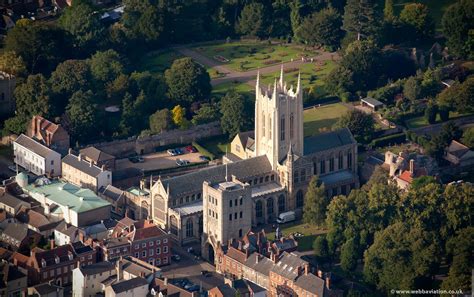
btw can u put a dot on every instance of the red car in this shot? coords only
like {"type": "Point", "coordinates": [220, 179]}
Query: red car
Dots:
{"type": "Point", "coordinates": [190, 149]}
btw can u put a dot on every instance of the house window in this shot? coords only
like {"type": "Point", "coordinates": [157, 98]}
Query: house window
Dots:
{"type": "Point", "coordinates": [240, 214]}
{"type": "Point", "coordinates": [158, 261]}
{"type": "Point", "coordinates": [151, 243]}
{"type": "Point", "coordinates": [230, 203]}
{"type": "Point", "coordinates": [235, 216]}
{"type": "Point", "coordinates": [322, 166]}
{"type": "Point", "coordinates": [158, 242]}
{"type": "Point", "coordinates": [144, 245]}
{"type": "Point", "coordinates": [150, 252]}
{"type": "Point", "coordinates": [331, 164]}
{"type": "Point", "coordinates": [165, 240]}
{"type": "Point", "coordinates": [165, 260]}
{"type": "Point", "coordinates": [137, 255]}
{"type": "Point", "coordinates": [237, 148]}
{"type": "Point", "coordinates": [143, 254]}
{"type": "Point", "coordinates": [240, 201]}
{"type": "Point", "coordinates": [240, 232]}
{"type": "Point", "coordinates": [165, 249]}
{"type": "Point", "coordinates": [282, 128]}
{"type": "Point", "coordinates": [158, 251]}
{"type": "Point", "coordinates": [189, 228]}
{"type": "Point", "coordinates": [230, 217]}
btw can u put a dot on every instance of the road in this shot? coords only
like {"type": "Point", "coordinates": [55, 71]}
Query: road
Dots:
{"type": "Point", "coordinates": [247, 76]}
{"type": "Point", "coordinates": [157, 161]}
{"type": "Point", "coordinates": [436, 128]}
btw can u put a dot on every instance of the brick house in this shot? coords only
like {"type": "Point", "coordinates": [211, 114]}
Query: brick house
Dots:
{"type": "Point", "coordinates": [113, 248]}
{"type": "Point", "coordinates": [149, 243]}
{"type": "Point", "coordinates": [50, 134]}
{"type": "Point", "coordinates": [48, 265]}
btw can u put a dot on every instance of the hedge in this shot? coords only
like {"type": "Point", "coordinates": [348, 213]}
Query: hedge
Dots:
{"type": "Point", "coordinates": [388, 140]}
{"type": "Point", "coordinates": [203, 151]}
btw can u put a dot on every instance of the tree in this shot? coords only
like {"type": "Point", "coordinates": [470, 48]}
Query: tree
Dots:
{"type": "Point", "coordinates": [232, 110]}
{"type": "Point", "coordinates": [106, 65]}
{"type": "Point", "coordinates": [468, 137]}
{"type": "Point", "coordinates": [349, 255]}
{"type": "Point", "coordinates": [144, 20]}
{"type": "Point", "coordinates": [178, 114]}
{"type": "Point", "coordinates": [160, 121]}
{"type": "Point", "coordinates": [323, 27]}
{"type": "Point", "coordinates": [253, 20]}
{"type": "Point", "coordinates": [11, 63]}
{"type": "Point", "coordinates": [456, 23]}
{"type": "Point", "coordinates": [430, 113]}
{"type": "Point", "coordinates": [422, 181]}
{"type": "Point", "coordinates": [362, 19]}
{"type": "Point", "coordinates": [206, 114]}
{"type": "Point", "coordinates": [82, 115]}
{"type": "Point", "coordinates": [69, 77]}
{"type": "Point", "coordinates": [187, 82]}
{"type": "Point", "coordinates": [130, 118]}
{"type": "Point", "coordinates": [412, 88]}
{"type": "Point", "coordinates": [316, 203]}
{"type": "Point", "coordinates": [360, 124]}
{"type": "Point", "coordinates": [84, 24]}
{"type": "Point", "coordinates": [416, 17]}
{"type": "Point", "coordinates": [320, 247]}
{"type": "Point", "coordinates": [388, 13]}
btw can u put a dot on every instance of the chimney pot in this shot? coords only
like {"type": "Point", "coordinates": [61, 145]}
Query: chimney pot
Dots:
{"type": "Point", "coordinates": [306, 269]}
{"type": "Point", "coordinates": [51, 243]}
{"type": "Point", "coordinates": [412, 167]}
{"type": "Point", "coordinates": [79, 157]}
{"type": "Point", "coordinates": [328, 282]}
{"type": "Point", "coordinates": [320, 274]}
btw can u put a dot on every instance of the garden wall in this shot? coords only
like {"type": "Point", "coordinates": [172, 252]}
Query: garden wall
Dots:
{"type": "Point", "coordinates": [148, 144]}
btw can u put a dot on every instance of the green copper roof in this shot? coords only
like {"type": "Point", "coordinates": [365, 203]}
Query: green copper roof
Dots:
{"type": "Point", "coordinates": [62, 193]}
{"type": "Point", "coordinates": [326, 141]}
{"type": "Point", "coordinates": [137, 191]}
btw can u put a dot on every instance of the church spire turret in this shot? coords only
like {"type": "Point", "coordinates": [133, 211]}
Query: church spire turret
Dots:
{"type": "Point", "coordinates": [281, 76]}
{"type": "Point", "coordinates": [257, 86]}
{"type": "Point", "coordinates": [275, 90]}
{"type": "Point", "coordinates": [298, 85]}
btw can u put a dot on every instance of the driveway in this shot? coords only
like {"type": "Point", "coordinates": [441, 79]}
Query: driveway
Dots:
{"type": "Point", "coordinates": [157, 161]}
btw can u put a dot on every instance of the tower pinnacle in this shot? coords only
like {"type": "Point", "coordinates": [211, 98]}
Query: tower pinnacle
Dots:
{"type": "Point", "coordinates": [281, 76]}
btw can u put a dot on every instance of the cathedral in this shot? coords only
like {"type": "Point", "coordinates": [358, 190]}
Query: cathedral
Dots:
{"type": "Point", "coordinates": [266, 173]}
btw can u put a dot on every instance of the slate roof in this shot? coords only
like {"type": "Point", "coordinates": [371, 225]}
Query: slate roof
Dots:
{"type": "Point", "coordinates": [288, 265]}
{"type": "Point", "coordinates": [33, 146]}
{"type": "Point", "coordinates": [327, 141]}
{"type": "Point", "coordinates": [372, 101]}
{"type": "Point", "coordinates": [82, 165]}
{"type": "Point", "coordinates": [10, 200]}
{"type": "Point", "coordinates": [192, 182]}
{"type": "Point", "coordinates": [17, 231]}
{"type": "Point", "coordinates": [336, 177]}
{"type": "Point", "coordinates": [114, 242]}
{"type": "Point", "coordinates": [45, 289]}
{"type": "Point", "coordinates": [245, 137]}
{"type": "Point", "coordinates": [111, 192]}
{"type": "Point", "coordinates": [226, 290]}
{"type": "Point", "coordinates": [97, 268]}
{"type": "Point", "coordinates": [62, 193]}
{"type": "Point", "coordinates": [95, 154]}
{"type": "Point", "coordinates": [263, 266]}
{"type": "Point", "coordinates": [311, 283]}
{"type": "Point", "coordinates": [457, 149]}
{"type": "Point", "coordinates": [49, 256]}
{"type": "Point", "coordinates": [128, 284]}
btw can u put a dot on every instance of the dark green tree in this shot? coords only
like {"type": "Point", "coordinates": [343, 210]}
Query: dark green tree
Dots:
{"type": "Point", "coordinates": [468, 137]}
{"type": "Point", "coordinates": [323, 27]}
{"type": "Point", "coordinates": [106, 65]}
{"type": "Point", "coordinates": [457, 22]}
{"type": "Point", "coordinates": [388, 13]}
{"type": "Point", "coordinates": [82, 115]}
{"type": "Point", "coordinates": [362, 19]}
{"type": "Point", "coordinates": [412, 88]}
{"type": "Point", "coordinates": [187, 82]}
{"type": "Point", "coordinates": [360, 124]}
{"type": "Point", "coordinates": [320, 247]}
{"type": "Point", "coordinates": [11, 63]}
{"type": "Point", "coordinates": [145, 20]}
{"type": "Point", "coordinates": [205, 114]}
{"type": "Point", "coordinates": [415, 16]}
{"type": "Point", "coordinates": [316, 203]}
{"type": "Point", "coordinates": [233, 119]}
{"type": "Point", "coordinates": [160, 121]}
{"type": "Point", "coordinates": [253, 20]}
{"type": "Point", "coordinates": [430, 113]}
{"type": "Point", "coordinates": [83, 23]}
{"type": "Point", "coordinates": [349, 255]}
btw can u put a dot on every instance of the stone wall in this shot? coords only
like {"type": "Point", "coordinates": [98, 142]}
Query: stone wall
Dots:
{"type": "Point", "coordinates": [149, 144]}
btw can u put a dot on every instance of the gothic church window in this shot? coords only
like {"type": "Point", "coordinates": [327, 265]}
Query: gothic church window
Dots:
{"type": "Point", "coordinates": [263, 125]}
{"type": "Point", "coordinates": [292, 125]}
{"type": "Point", "coordinates": [349, 160]}
{"type": "Point", "coordinates": [322, 167]}
{"type": "Point", "coordinates": [270, 206]}
{"type": "Point", "coordinates": [299, 199]}
{"type": "Point", "coordinates": [281, 203]}
{"type": "Point", "coordinates": [259, 209]}
{"type": "Point", "coordinates": [270, 128]}
{"type": "Point", "coordinates": [282, 128]}
{"type": "Point", "coordinates": [189, 228]}
{"type": "Point", "coordinates": [331, 164]}
{"type": "Point", "coordinates": [340, 161]}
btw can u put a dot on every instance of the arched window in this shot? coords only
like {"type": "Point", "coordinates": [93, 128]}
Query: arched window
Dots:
{"type": "Point", "coordinates": [263, 125]}
{"type": "Point", "coordinates": [282, 128]}
{"type": "Point", "coordinates": [200, 225]}
{"type": "Point", "coordinates": [189, 228]}
{"type": "Point", "coordinates": [281, 203]}
{"type": "Point", "coordinates": [270, 206]}
{"type": "Point", "coordinates": [259, 209]}
{"type": "Point", "coordinates": [339, 159]}
{"type": "Point", "coordinates": [292, 125]}
{"type": "Point", "coordinates": [349, 160]}
{"type": "Point", "coordinates": [299, 199]}
{"type": "Point", "coordinates": [174, 225]}
{"type": "Point", "coordinates": [270, 128]}
{"type": "Point", "coordinates": [240, 232]}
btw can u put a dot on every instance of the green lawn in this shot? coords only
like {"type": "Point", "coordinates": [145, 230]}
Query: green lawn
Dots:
{"type": "Point", "coordinates": [158, 61]}
{"type": "Point", "coordinates": [216, 146]}
{"type": "Point", "coordinates": [321, 119]}
{"type": "Point", "coordinates": [242, 88]}
{"type": "Point", "coordinates": [309, 232]}
{"type": "Point", "coordinates": [244, 56]}
{"type": "Point", "coordinates": [421, 121]}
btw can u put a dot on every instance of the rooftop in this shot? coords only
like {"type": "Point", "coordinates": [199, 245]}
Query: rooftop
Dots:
{"type": "Point", "coordinates": [129, 284]}
{"type": "Point", "coordinates": [34, 146]}
{"type": "Point", "coordinates": [82, 165]}
{"type": "Point", "coordinates": [95, 154]}
{"type": "Point", "coordinates": [65, 194]}
{"type": "Point", "coordinates": [336, 177]}
{"type": "Point", "coordinates": [111, 192]}
{"type": "Point", "coordinates": [190, 208]}
{"type": "Point", "coordinates": [97, 268]}
{"type": "Point", "coordinates": [10, 200]}
{"type": "Point", "coordinates": [264, 189]}
{"type": "Point", "coordinates": [372, 102]}
{"type": "Point", "coordinates": [327, 141]}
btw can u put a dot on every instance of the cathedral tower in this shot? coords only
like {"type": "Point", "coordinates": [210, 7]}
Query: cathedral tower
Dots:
{"type": "Point", "coordinates": [278, 120]}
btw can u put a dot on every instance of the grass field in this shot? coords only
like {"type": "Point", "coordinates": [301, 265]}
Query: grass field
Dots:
{"type": "Point", "coordinates": [242, 88]}
{"type": "Point", "coordinates": [321, 119]}
{"type": "Point", "coordinates": [217, 146]}
{"type": "Point", "coordinates": [309, 232]}
{"type": "Point", "coordinates": [244, 56]}
{"type": "Point", "coordinates": [421, 121]}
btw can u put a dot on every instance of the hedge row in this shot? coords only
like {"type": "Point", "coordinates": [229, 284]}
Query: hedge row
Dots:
{"type": "Point", "coordinates": [388, 140]}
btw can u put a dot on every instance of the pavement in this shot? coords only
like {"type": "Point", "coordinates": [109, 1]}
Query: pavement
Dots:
{"type": "Point", "coordinates": [247, 76]}
{"type": "Point", "coordinates": [155, 161]}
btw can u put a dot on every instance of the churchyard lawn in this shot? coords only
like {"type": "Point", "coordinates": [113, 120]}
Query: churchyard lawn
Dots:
{"type": "Point", "coordinates": [309, 232]}
{"type": "Point", "coordinates": [321, 119]}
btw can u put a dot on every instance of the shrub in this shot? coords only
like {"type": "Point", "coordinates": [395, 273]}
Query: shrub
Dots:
{"type": "Point", "coordinates": [269, 62]}
{"type": "Point", "coordinates": [388, 140]}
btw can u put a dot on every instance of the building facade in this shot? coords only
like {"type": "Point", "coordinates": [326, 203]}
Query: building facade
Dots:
{"type": "Point", "coordinates": [50, 134]}
{"type": "Point", "coordinates": [35, 157]}
{"type": "Point", "coordinates": [277, 164]}
{"type": "Point", "coordinates": [87, 280]}
{"type": "Point", "coordinates": [82, 173]}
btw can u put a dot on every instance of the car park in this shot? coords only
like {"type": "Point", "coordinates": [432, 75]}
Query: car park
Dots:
{"type": "Point", "coordinates": [190, 149]}
{"type": "Point", "coordinates": [204, 158]}
{"type": "Point", "coordinates": [171, 152]}
{"type": "Point", "coordinates": [181, 162]}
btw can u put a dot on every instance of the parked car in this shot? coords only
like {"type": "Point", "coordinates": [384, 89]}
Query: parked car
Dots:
{"type": "Point", "coordinates": [190, 149]}
{"type": "Point", "coordinates": [171, 152]}
{"type": "Point", "coordinates": [286, 217]}
{"type": "Point", "coordinates": [204, 158]}
{"type": "Point", "coordinates": [180, 162]}
{"type": "Point", "coordinates": [176, 258]}
{"type": "Point", "coordinates": [179, 151]}
{"type": "Point", "coordinates": [194, 288]}
{"type": "Point", "coordinates": [206, 273]}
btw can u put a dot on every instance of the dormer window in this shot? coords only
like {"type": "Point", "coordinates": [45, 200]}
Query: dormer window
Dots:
{"type": "Point", "coordinates": [43, 263]}
{"type": "Point", "coordinates": [70, 256]}
{"type": "Point", "coordinates": [56, 259]}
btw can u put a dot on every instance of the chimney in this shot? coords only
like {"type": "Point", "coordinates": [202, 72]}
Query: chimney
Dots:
{"type": "Point", "coordinates": [51, 243]}
{"type": "Point", "coordinates": [166, 281]}
{"type": "Point", "coordinates": [79, 157]}
{"type": "Point", "coordinates": [90, 163]}
{"type": "Point", "coordinates": [240, 245]}
{"type": "Point", "coordinates": [320, 274]}
{"type": "Point", "coordinates": [257, 258]}
{"type": "Point", "coordinates": [117, 268]}
{"type": "Point", "coordinates": [412, 167]}
{"type": "Point", "coordinates": [102, 167]}
{"type": "Point", "coordinates": [328, 282]}
{"type": "Point", "coordinates": [69, 151]}
{"type": "Point", "coordinates": [306, 268]}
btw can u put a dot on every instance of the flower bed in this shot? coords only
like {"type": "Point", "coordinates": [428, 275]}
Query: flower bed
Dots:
{"type": "Point", "coordinates": [269, 62]}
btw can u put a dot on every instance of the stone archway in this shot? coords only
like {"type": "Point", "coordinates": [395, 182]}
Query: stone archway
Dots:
{"type": "Point", "coordinates": [208, 252]}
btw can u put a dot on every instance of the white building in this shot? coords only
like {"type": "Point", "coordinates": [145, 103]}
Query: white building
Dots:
{"type": "Point", "coordinates": [135, 287]}
{"type": "Point", "coordinates": [35, 157]}
{"type": "Point", "coordinates": [87, 280]}
{"type": "Point", "coordinates": [82, 173]}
